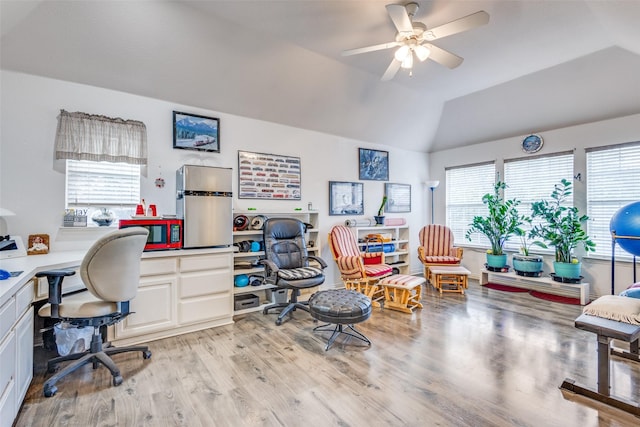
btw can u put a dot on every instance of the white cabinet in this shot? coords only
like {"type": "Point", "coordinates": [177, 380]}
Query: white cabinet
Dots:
{"type": "Point", "coordinates": [395, 244]}
{"type": "Point", "coordinates": [24, 355]}
{"type": "Point", "coordinates": [7, 379]}
{"type": "Point", "coordinates": [179, 292]}
{"type": "Point", "coordinates": [205, 288]}
{"type": "Point", "coordinates": [245, 261]}
{"type": "Point", "coordinates": [16, 352]}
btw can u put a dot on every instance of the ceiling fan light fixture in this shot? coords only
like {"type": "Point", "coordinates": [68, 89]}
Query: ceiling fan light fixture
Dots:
{"type": "Point", "coordinates": [401, 53]}
{"type": "Point", "coordinates": [407, 62]}
{"type": "Point", "coordinates": [422, 52]}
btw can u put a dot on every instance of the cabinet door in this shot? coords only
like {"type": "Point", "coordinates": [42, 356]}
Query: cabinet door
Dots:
{"type": "Point", "coordinates": [24, 355]}
{"type": "Point", "coordinates": [154, 308]}
{"type": "Point", "coordinates": [7, 379]}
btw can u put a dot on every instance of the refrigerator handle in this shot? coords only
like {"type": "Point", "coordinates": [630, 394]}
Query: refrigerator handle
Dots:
{"type": "Point", "coordinates": [180, 195]}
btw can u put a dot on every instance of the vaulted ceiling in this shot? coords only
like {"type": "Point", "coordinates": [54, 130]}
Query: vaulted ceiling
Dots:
{"type": "Point", "coordinates": [536, 65]}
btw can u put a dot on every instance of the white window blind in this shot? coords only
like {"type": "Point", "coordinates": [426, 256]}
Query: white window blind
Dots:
{"type": "Point", "coordinates": [102, 184]}
{"type": "Point", "coordinates": [465, 188]}
{"type": "Point", "coordinates": [532, 179]}
{"type": "Point", "coordinates": [613, 181]}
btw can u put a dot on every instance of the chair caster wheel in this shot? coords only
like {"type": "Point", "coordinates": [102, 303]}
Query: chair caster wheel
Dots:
{"type": "Point", "coordinates": [51, 369]}
{"type": "Point", "coordinates": [50, 391]}
{"type": "Point", "coordinates": [278, 322]}
{"type": "Point", "coordinates": [146, 354]}
{"type": "Point", "coordinates": [117, 380]}
{"type": "Point", "coordinates": [265, 311]}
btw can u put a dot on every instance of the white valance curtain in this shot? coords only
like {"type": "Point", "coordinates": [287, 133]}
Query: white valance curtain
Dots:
{"type": "Point", "coordinates": [82, 136]}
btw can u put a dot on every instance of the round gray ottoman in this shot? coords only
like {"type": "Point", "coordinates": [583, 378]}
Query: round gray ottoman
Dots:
{"type": "Point", "coordinates": [340, 307]}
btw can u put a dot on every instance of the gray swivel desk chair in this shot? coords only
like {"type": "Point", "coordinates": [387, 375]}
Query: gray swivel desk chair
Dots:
{"type": "Point", "coordinates": [287, 263]}
{"type": "Point", "coordinates": [111, 271]}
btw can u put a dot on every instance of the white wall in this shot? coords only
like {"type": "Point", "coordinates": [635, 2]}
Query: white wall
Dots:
{"type": "Point", "coordinates": [32, 182]}
{"type": "Point", "coordinates": [576, 139]}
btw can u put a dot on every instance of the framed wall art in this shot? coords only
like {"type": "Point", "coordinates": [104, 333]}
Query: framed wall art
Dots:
{"type": "Point", "coordinates": [346, 198]}
{"type": "Point", "coordinates": [398, 197]}
{"type": "Point", "coordinates": [194, 132]}
{"type": "Point", "coordinates": [38, 244]}
{"type": "Point", "coordinates": [373, 164]}
{"type": "Point", "coordinates": [268, 176]}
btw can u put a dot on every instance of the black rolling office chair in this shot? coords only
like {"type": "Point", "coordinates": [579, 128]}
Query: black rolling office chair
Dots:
{"type": "Point", "coordinates": [287, 263]}
{"type": "Point", "coordinates": [111, 271]}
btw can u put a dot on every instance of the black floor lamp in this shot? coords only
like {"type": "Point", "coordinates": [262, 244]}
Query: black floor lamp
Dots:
{"type": "Point", "coordinates": [432, 185]}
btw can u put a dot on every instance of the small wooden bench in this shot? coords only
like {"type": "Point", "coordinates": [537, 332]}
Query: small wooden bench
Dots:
{"type": "Point", "coordinates": [402, 292]}
{"type": "Point", "coordinates": [606, 330]}
{"type": "Point", "coordinates": [449, 278]}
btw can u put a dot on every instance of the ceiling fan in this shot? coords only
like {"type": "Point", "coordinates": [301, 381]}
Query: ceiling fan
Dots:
{"type": "Point", "coordinates": [413, 39]}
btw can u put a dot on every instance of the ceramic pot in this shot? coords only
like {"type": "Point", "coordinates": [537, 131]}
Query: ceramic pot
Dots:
{"type": "Point", "coordinates": [527, 263]}
{"type": "Point", "coordinates": [379, 219]}
{"type": "Point", "coordinates": [567, 269]}
{"type": "Point", "coordinates": [497, 261]}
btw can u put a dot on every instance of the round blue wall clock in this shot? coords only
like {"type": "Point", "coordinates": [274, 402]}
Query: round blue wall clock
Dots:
{"type": "Point", "coordinates": [532, 143]}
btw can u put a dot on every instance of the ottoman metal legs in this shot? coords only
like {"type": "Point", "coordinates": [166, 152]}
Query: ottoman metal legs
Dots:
{"type": "Point", "coordinates": [340, 307]}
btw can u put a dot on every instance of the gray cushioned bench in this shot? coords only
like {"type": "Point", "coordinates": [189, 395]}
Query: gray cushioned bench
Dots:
{"type": "Point", "coordinates": [606, 330]}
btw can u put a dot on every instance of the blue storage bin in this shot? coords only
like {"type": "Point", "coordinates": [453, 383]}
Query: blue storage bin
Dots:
{"type": "Point", "coordinates": [377, 247]}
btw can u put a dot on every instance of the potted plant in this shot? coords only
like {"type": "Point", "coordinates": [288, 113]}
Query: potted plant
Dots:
{"type": "Point", "coordinates": [501, 223]}
{"type": "Point", "coordinates": [524, 263]}
{"type": "Point", "coordinates": [562, 227]}
{"type": "Point", "coordinates": [380, 217]}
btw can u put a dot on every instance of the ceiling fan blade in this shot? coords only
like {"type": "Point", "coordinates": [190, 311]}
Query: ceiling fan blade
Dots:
{"type": "Point", "coordinates": [444, 57]}
{"type": "Point", "coordinates": [391, 70]}
{"type": "Point", "coordinates": [370, 48]}
{"type": "Point", "coordinates": [400, 18]}
{"type": "Point", "coordinates": [459, 25]}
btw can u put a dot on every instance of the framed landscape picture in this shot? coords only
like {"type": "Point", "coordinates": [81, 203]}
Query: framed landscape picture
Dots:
{"type": "Point", "coordinates": [346, 198]}
{"type": "Point", "coordinates": [194, 132]}
{"type": "Point", "coordinates": [373, 165]}
{"type": "Point", "coordinates": [398, 197]}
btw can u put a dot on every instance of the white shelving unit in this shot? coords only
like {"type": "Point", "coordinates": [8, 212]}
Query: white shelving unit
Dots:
{"type": "Point", "coordinates": [313, 235]}
{"type": "Point", "coordinates": [400, 257]}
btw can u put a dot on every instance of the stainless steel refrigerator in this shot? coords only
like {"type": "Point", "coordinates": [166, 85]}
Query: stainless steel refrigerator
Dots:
{"type": "Point", "coordinates": [204, 203]}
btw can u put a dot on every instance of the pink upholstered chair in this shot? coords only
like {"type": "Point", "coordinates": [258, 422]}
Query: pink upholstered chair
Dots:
{"type": "Point", "coordinates": [360, 271]}
{"type": "Point", "coordinates": [436, 248]}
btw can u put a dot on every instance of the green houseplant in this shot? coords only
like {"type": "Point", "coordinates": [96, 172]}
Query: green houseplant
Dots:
{"type": "Point", "coordinates": [525, 263]}
{"type": "Point", "coordinates": [380, 217]}
{"type": "Point", "coordinates": [561, 227]}
{"type": "Point", "coordinates": [502, 222]}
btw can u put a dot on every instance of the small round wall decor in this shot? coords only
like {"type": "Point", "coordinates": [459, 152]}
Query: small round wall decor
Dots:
{"type": "Point", "coordinates": [532, 143]}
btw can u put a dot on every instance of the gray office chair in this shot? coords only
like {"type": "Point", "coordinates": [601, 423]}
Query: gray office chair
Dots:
{"type": "Point", "coordinates": [110, 271]}
{"type": "Point", "coordinates": [287, 263]}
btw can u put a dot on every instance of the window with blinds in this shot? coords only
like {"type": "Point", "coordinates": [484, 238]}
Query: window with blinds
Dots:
{"type": "Point", "coordinates": [464, 191]}
{"type": "Point", "coordinates": [102, 184]}
{"type": "Point", "coordinates": [613, 181]}
{"type": "Point", "coordinates": [532, 179]}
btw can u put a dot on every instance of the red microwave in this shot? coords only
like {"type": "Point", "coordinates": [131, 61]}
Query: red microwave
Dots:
{"type": "Point", "coordinates": [163, 233]}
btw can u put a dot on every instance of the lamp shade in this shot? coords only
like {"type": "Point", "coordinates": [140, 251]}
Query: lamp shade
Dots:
{"type": "Point", "coordinates": [422, 52]}
{"type": "Point", "coordinates": [432, 184]}
{"type": "Point", "coordinates": [401, 53]}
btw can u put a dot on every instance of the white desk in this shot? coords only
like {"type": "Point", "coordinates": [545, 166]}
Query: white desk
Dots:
{"type": "Point", "coordinates": [180, 291]}
{"type": "Point", "coordinates": [32, 264]}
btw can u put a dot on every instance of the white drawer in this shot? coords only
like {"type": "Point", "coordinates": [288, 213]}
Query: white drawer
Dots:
{"type": "Point", "coordinates": [156, 266]}
{"type": "Point", "coordinates": [205, 262]}
{"type": "Point", "coordinates": [7, 316]}
{"type": "Point", "coordinates": [24, 297]}
{"type": "Point", "coordinates": [204, 283]}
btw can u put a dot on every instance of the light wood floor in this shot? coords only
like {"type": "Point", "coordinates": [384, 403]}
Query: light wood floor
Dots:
{"type": "Point", "coordinates": [488, 358]}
